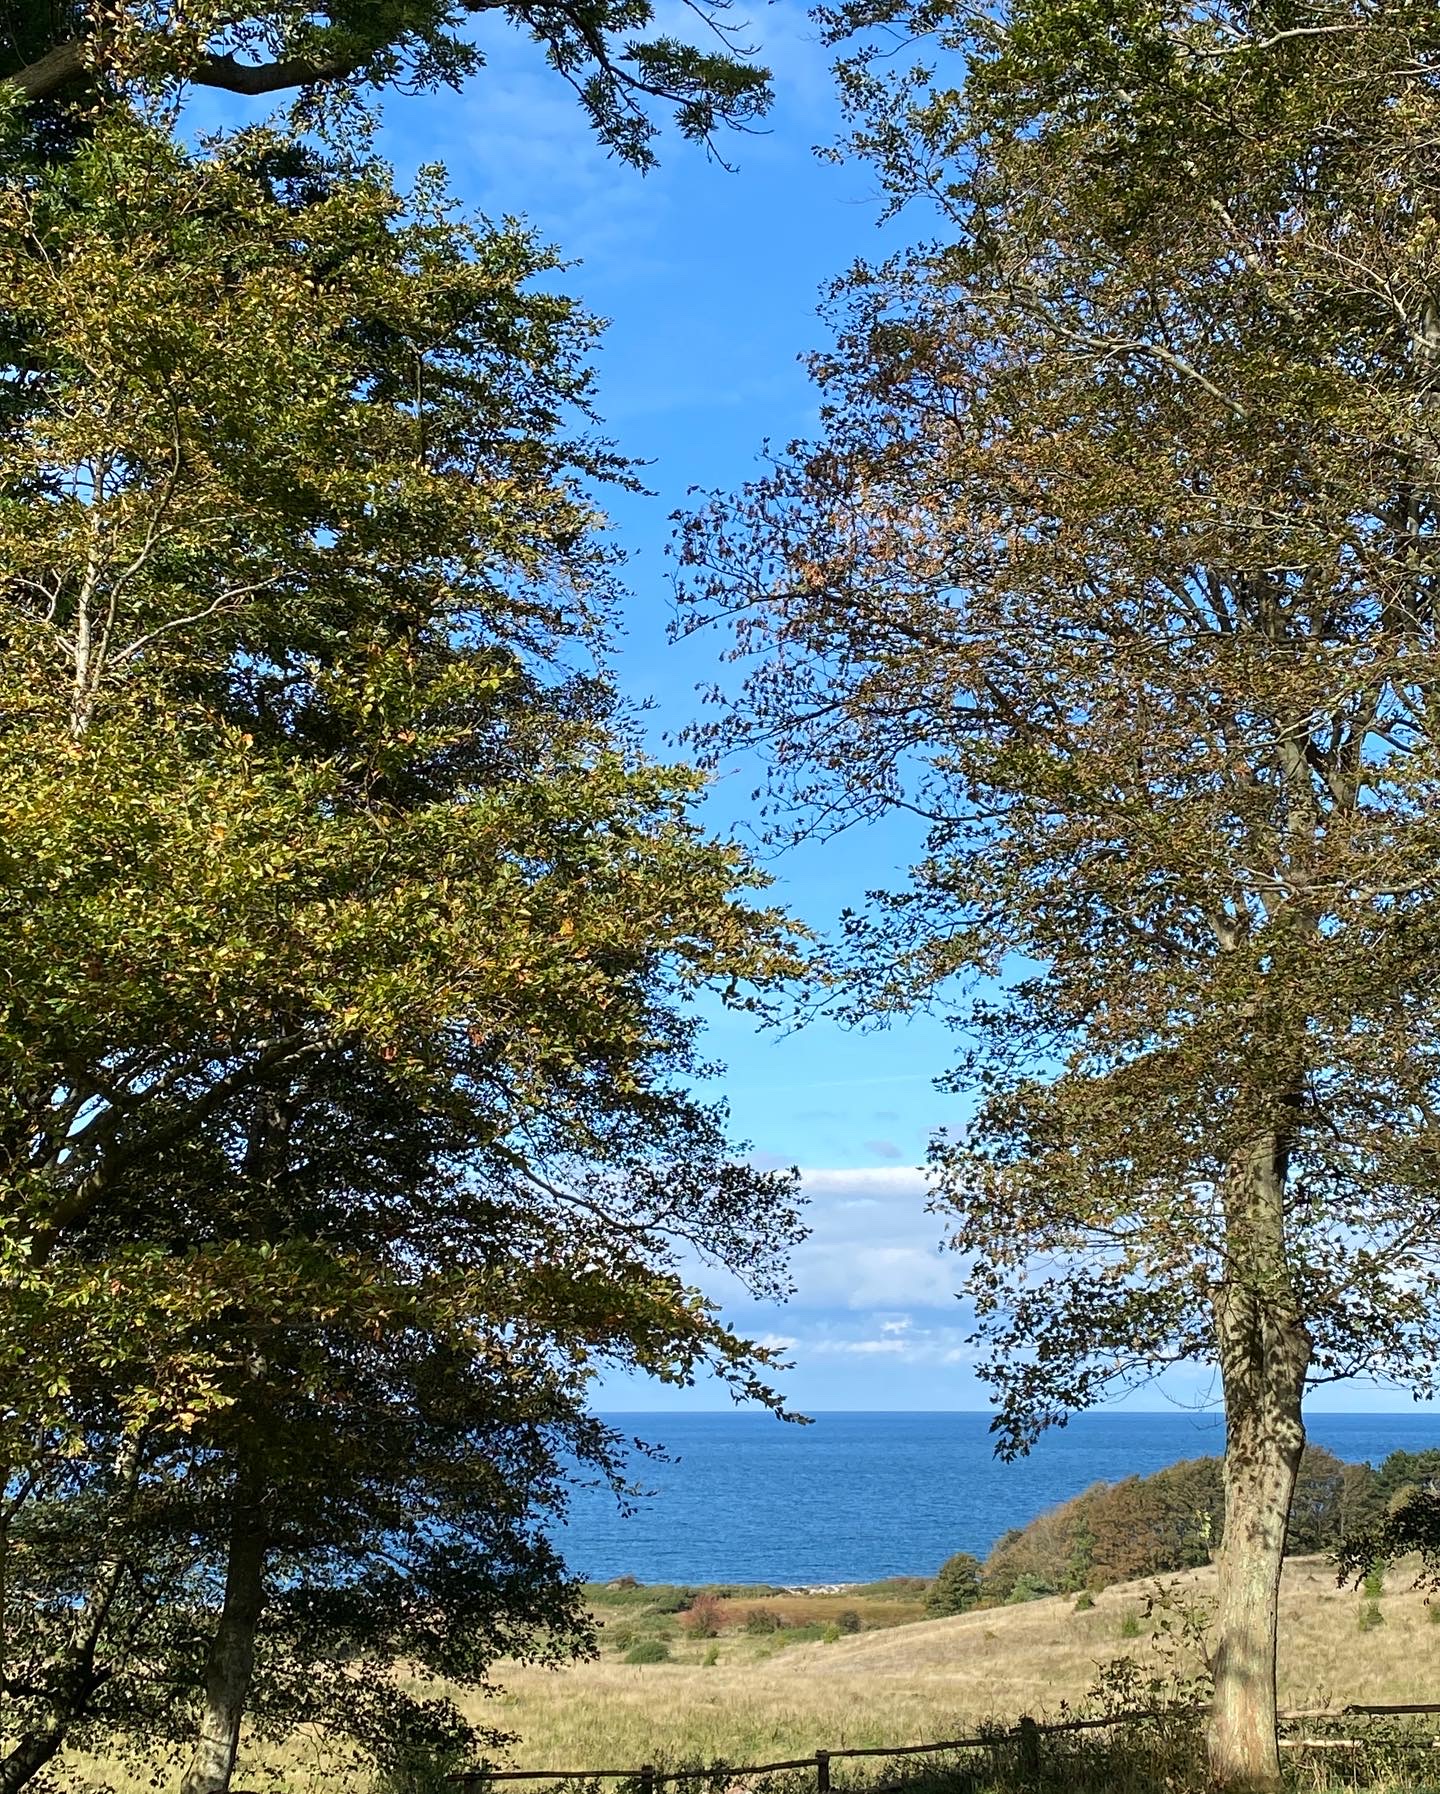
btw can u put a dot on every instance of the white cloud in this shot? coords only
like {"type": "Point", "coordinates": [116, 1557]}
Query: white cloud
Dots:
{"type": "Point", "coordinates": [867, 1182]}
{"type": "Point", "coordinates": [943, 1345]}
{"type": "Point", "coordinates": [873, 1244]}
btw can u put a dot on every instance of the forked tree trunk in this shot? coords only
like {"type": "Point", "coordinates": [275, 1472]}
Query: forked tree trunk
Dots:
{"type": "Point", "coordinates": [231, 1662]}
{"type": "Point", "coordinates": [1264, 1356]}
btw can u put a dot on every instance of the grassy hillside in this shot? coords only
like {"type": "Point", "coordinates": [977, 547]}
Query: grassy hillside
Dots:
{"type": "Point", "coordinates": [933, 1678]}
{"type": "Point", "coordinates": [756, 1695]}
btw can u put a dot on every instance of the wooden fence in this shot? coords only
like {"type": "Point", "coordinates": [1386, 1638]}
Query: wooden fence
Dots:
{"type": "Point", "coordinates": [1024, 1738]}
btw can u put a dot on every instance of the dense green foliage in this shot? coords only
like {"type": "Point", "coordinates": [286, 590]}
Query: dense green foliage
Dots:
{"type": "Point", "coordinates": [956, 1587]}
{"type": "Point", "coordinates": [1174, 1519]}
{"type": "Point", "coordinates": [349, 949]}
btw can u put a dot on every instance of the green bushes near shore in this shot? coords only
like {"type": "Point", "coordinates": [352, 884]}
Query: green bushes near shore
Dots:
{"type": "Point", "coordinates": [630, 1612]}
{"type": "Point", "coordinates": [1174, 1519]}
{"type": "Point", "coordinates": [957, 1586]}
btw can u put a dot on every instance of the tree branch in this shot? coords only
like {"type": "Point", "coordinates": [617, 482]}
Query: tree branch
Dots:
{"type": "Point", "coordinates": [66, 63]}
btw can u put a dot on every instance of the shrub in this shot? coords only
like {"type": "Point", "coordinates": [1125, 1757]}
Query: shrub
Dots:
{"type": "Point", "coordinates": [1374, 1583]}
{"type": "Point", "coordinates": [649, 1650]}
{"type": "Point", "coordinates": [848, 1620]}
{"type": "Point", "coordinates": [1130, 1625]}
{"type": "Point", "coordinates": [831, 1634]}
{"type": "Point", "coordinates": [1029, 1588]}
{"type": "Point", "coordinates": [421, 1769]}
{"type": "Point", "coordinates": [1432, 1612]}
{"type": "Point", "coordinates": [956, 1587]}
{"type": "Point", "coordinates": [1084, 1601]}
{"type": "Point", "coordinates": [711, 1657]}
{"type": "Point", "coordinates": [701, 1619]}
{"type": "Point", "coordinates": [666, 1598]}
{"type": "Point", "coordinates": [760, 1620]}
{"type": "Point", "coordinates": [621, 1637]}
{"type": "Point", "coordinates": [1371, 1616]}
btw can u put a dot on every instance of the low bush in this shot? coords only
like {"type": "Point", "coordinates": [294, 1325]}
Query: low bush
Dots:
{"type": "Point", "coordinates": [760, 1621]}
{"type": "Point", "coordinates": [849, 1620]}
{"type": "Point", "coordinates": [1130, 1625]}
{"type": "Point", "coordinates": [649, 1650]}
{"type": "Point", "coordinates": [669, 1599]}
{"type": "Point", "coordinates": [1374, 1583]}
{"type": "Point", "coordinates": [831, 1634]}
{"type": "Point", "coordinates": [701, 1619]}
{"type": "Point", "coordinates": [1371, 1616]}
{"type": "Point", "coordinates": [418, 1769]}
{"type": "Point", "coordinates": [1084, 1601]}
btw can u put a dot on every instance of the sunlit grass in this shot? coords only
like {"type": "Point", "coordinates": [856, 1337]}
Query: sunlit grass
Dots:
{"type": "Point", "coordinates": [756, 1702]}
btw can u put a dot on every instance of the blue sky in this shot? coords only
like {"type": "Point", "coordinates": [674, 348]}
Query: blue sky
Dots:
{"type": "Point", "coordinates": [710, 281]}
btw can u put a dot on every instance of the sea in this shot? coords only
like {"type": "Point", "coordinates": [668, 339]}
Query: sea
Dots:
{"type": "Point", "coordinates": [742, 1497]}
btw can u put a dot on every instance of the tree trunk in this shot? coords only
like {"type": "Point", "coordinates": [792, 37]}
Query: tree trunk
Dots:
{"type": "Point", "coordinates": [71, 1673]}
{"type": "Point", "coordinates": [1264, 1356]}
{"type": "Point", "coordinates": [232, 1652]}
{"type": "Point", "coordinates": [32, 1754]}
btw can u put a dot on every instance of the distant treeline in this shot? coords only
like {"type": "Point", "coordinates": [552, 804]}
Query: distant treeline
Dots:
{"type": "Point", "coordinates": [1174, 1520]}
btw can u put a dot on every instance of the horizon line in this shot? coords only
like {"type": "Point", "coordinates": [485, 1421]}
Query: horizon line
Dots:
{"type": "Point", "coordinates": [1428, 1409]}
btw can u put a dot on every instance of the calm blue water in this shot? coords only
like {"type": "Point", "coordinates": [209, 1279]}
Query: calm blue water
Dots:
{"type": "Point", "coordinates": [854, 1497]}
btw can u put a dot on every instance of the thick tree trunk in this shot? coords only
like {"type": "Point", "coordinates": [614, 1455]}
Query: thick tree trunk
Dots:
{"type": "Point", "coordinates": [1264, 1357]}
{"type": "Point", "coordinates": [232, 1652]}
{"type": "Point", "coordinates": [35, 1751]}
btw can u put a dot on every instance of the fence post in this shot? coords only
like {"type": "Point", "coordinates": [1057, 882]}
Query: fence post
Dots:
{"type": "Point", "coordinates": [647, 1778]}
{"type": "Point", "coordinates": [1029, 1748]}
{"type": "Point", "coordinates": [822, 1772]}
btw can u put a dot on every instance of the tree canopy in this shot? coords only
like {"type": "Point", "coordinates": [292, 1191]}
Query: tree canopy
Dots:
{"type": "Point", "coordinates": [350, 945]}
{"type": "Point", "coordinates": [1113, 562]}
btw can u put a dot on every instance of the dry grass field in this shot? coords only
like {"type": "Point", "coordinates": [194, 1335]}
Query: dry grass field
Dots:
{"type": "Point", "coordinates": [935, 1678]}
{"type": "Point", "coordinates": [744, 1698]}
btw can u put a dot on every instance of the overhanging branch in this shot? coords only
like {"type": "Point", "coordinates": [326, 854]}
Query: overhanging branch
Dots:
{"type": "Point", "coordinates": [66, 63]}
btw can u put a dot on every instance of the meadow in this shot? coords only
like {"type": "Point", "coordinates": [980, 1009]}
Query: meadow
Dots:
{"type": "Point", "coordinates": [779, 1678]}
{"type": "Point", "coordinates": [745, 1696]}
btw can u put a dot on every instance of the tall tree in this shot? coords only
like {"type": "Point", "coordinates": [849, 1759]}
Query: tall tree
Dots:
{"type": "Point", "coordinates": [1115, 563]}
{"type": "Point", "coordinates": [349, 941]}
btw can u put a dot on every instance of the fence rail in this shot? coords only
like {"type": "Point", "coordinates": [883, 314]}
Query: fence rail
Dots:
{"type": "Point", "coordinates": [1025, 1737]}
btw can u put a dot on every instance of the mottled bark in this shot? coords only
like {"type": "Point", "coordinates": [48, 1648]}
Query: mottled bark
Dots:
{"type": "Point", "coordinates": [231, 1661]}
{"type": "Point", "coordinates": [1264, 1356]}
